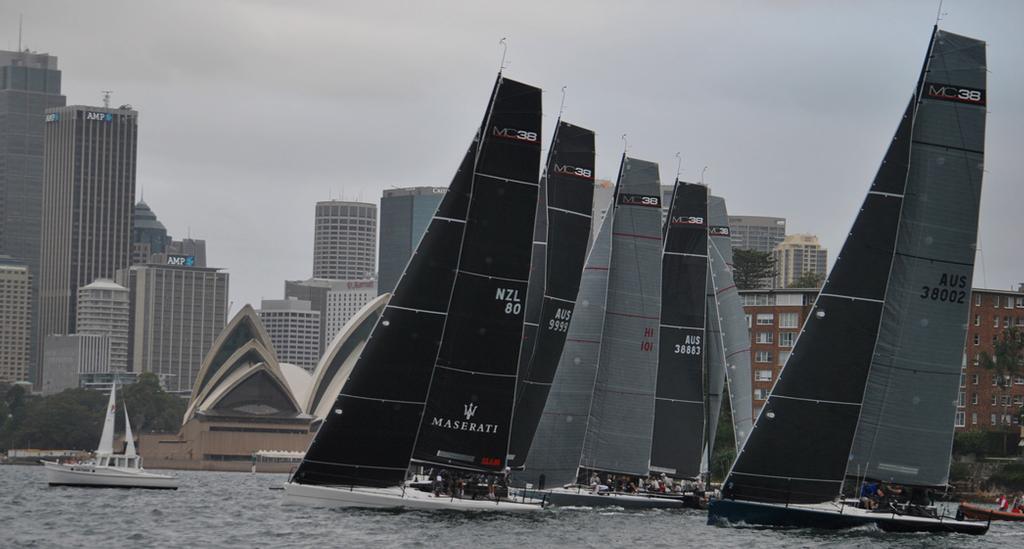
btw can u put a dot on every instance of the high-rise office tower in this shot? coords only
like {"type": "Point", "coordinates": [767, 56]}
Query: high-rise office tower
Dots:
{"type": "Point", "coordinates": [176, 314]}
{"type": "Point", "coordinates": [404, 216]}
{"type": "Point", "coordinates": [149, 236]}
{"type": "Point", "coordinates": [345, 240]}
{"type": "Point", "coordinates": [294, 330]}
{"type": "Point", "coordinates": [103, 310]}
{"type": "Point", "coordinates": [88, 199]}
{"type": "Point", "coordinates": [29, 84]}
{"type": "Point", "coordinates": [15, 319]}
{"type": "Point", "coordinates": [344, 302]}
{"type": "Point", "coordinates": [798, 255]}
{"type": "Point", "coordinates": [762, 234]}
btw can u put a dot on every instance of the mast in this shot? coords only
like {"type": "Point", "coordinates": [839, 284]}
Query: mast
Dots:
{"type": "Point", "coordinates": [561, 236]}
{"type": "Point", "coordinates": [106, 446]}
{"type": "Point", "coordinates": [679, 412]}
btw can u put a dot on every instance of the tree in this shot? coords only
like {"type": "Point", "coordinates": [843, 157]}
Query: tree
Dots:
{"type": "Point", "coordinates": [1005, 362]}
{"type": "Point", "coordinates": [151, 408]}
{"type": "Point", "coordinates": [808, 280]}
{"type": "Point", "coordinates": [751, 268]}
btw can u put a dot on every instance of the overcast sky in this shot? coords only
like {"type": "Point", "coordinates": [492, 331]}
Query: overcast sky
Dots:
{"type": "Point", "coordinates": [251, 111]}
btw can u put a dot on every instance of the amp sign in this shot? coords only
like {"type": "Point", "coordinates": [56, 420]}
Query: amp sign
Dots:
{"type": "Point", "coordinates": [181, 260]}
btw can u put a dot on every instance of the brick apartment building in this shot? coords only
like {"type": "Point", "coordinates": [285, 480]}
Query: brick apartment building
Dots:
{"type": "Point", "coordinates": [775, 317]}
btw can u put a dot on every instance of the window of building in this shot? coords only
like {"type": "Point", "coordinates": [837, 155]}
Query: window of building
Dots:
{"type": "Point", "coordinates": [1005, 400]}
{"type": "Point", "coordinates": [765, 319]}
{"type": "Point", "coordinates": [1020, 302]}
{"type": "Point", "coordinates": [959, 419]}
{"type": "Point", "coordinates": [763, 357]}
{"type": "Point", "coordinates": [977, 339]}
{"type": "Point", "coordinates": [783, 357]}
{"type": "Point", "coordinates": [786, 339]}
{"type": "Point", "coordinates": [974, 378]}
{"type": "Point", "coordinates": [995, 302]}
{"type": "Point", "coordinates": [1018, 400]}
{"type": "Point", "coordinates": [995, 322]}
{"type": "Point", "coordinates": [764, 337]}
{"type": "Point", "coordinates": [974, 418]}
{"type": "Point", "coordinates": [995, 400]}
{"type": "Point", "coordinates": [961, 401]}
{"type": "Point", "coordinates": [1018, 380]}
{"type": "Point", "coordinates": [977, 300]}
{"type": "Point", "coordinates": [748, 321]}
{"type": "Point", "coordinates": [977, 320]}
{"type": "Point", "coordinates": [762, 375]}
{"type": "Point", "coordinates": [1008, 302]}
{"type": "Point", "coordinates": [789, 320]}
{"type": "Point", "coordinates": [974, 398]}
{"type": "Point", "coordinates": [762, 394]}
{"type": "Point", "coordinates": [1006, 322]}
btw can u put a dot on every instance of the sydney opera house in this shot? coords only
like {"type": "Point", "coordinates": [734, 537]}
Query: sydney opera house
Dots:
{"type": "Point", "coordinates": [245, 401]}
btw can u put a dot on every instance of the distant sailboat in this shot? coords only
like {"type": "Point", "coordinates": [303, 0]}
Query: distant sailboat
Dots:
{"type": "Point", "coordinates": [869, 392]}
{"type": "Point", "coordinates": [435, 384]}
{"type": "Point", "coordinates": [109, 470]}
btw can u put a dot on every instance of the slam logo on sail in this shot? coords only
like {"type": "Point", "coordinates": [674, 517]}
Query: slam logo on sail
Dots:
{"type": "Point", "coordinates": [515, 135]}
{"type": "Point", "coordinates": [468, 411]}
{"type": "Point", "coordinates": [563, 169]}
{"type": "Point", "coordinates": [946, 92]}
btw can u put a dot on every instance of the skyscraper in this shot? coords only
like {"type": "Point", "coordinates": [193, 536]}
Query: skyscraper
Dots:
{"type": "Point", "coordinates": [798, 255]}
{"type": "Point", "coordinates": [15, 319]}
{"type": "Point", "coordinates": [103, 310]}
{"type": "Point", "coordinates": [177, 312]}
{"type": "Point", "coordinates": [294, 330]}
{"type": "Point", "coordinates": [404, 216]}
{"type": "Point", "coordinates": [751, 232]}
{"type": "Point", "coordinates": [88, 196]}
{"type": "Point", "coordinates": [343, 303]}
{"type": "Point", "coordinates": [29, 84]}
{"type": "Point", "coordinates": [345, 240]}
{"type": "Point", "coordinates": [149, 236]}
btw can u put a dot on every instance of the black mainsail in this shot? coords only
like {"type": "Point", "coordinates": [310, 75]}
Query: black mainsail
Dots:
{"type": "Point", "coordinates": [904, 269]}
{"type": "Point", "coordinates": [561, 235]}
{"type": "Point", "coordinates": [679, 415]}
{"type": "Point", "coordinates": [436, 379]}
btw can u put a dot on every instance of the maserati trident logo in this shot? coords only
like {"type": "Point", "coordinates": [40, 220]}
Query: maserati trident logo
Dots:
{"type": "Point", "coordinates": [469, 410]}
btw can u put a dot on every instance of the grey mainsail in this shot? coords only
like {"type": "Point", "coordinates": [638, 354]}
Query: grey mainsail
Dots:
{"type": "Point", "coordinates": [733, 352]}
{"type": "Point", "coordinates": [905, 430]}
{"type": "Point", "coordinates": [621, 420]}
{"type": "Point", "coordinates": [554, 456]}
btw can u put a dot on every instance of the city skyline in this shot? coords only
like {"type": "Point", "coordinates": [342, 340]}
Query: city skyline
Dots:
{"type": "Point", "coordinates": [789, 109]}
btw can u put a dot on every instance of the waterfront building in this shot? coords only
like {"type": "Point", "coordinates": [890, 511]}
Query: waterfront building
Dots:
{"type": "Point", "coordinates": [103, 310]}
{"type": "Point", "coordinates": [349, 297]}
{"type": "Point", "coordinates": [775, 318]}
{"type": "Point", "coordinates": [176, 313]}
{"type": "Point", "coordinates": [762, 234]}
{"type": "Point", "coordinates": [987, 400]}
{"type": "Point", "coordinates": [15, 320]}
{"type": "Point", "coordinates": [344, 240]}
{"type": "Point", "coordinates": [29, 84]}
{"type": "Point", "coordinates": [404, 217]}
{"type": "Point", "coordinates": [88, 201]}
{"type": "Point", "coordinates": [67, 359]}
{"type": "Point", "coordinates": [294, 330]}
{"type": "Point", "coordinates": [798, 255]}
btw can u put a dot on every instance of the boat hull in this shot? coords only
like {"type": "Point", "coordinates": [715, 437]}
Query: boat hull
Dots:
{"type": "Point", "coordinates": [573, 498]}
{"type": "Point", "coordinates": [979, 512]}
{"type": "Point", "coordinates": [89, 476]}
{"type": "Point", "coordinates": [393, 498]}
{"type": "Point", "coordinates": [831, 517]}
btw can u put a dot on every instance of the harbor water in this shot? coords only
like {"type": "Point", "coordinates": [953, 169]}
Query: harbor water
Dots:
{"type": "Point", "coordinates": [245, 510]}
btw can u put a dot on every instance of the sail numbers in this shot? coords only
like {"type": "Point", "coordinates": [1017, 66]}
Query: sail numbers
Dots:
{"type": "Point", "coordinates": [646, 345]}
{"type": "Point", "coordinates": [689, 346]}
{"type": "Point", "coordinates": [946, 290]}
{"type": "Point", "coordinates": [561, 321]}
{"type": "Point", "coordinates": [513, 306]}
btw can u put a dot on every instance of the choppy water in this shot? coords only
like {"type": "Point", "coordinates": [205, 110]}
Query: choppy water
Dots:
{"type": "Point", "coordinates": [241, 510]}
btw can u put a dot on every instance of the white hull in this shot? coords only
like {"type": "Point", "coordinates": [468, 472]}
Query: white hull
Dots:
{"type": "Point", "coordinates": [392, 498]}
{"type": "Point", "coordinates": [87, 475]}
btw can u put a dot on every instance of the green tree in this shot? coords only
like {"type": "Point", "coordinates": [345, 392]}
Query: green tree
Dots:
{"type": "Point", "coordinates": [724, 451]}
{"type": "Point", "coordinates": [808, 280]}
{"type": "Point", "coordinates": [150, 407]}
{"type": "Point", "coordinates": [750, 268]}
{"type": "Point", "coordinates": [70, 419]}
{"type": "Point", "coordinates": [1005, 362]}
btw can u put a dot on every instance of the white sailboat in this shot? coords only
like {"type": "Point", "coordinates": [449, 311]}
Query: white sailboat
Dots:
{"type": "Point", "coordinates": [107, 469]}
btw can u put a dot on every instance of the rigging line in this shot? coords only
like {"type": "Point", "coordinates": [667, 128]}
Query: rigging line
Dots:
{"type": "Point", "coordinates": [561, 107]}
{"type": "Point", "coordinates": [504, 53]}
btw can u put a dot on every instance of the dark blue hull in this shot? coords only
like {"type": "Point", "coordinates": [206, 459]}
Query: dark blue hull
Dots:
{"type": "Point", "coordinates": [723, 511]}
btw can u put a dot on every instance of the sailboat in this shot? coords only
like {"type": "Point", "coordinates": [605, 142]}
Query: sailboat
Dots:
{"type": "Point", "coordinates": [433, 388]}
{"type": "Point", "coordinates": [561, 236]}
{"type": "Point", "coordinates": [869, 393]}
{"type": "Point", "coordinates": [107, 469]}
{"type": "Point", "coordinates": [599, 416]}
